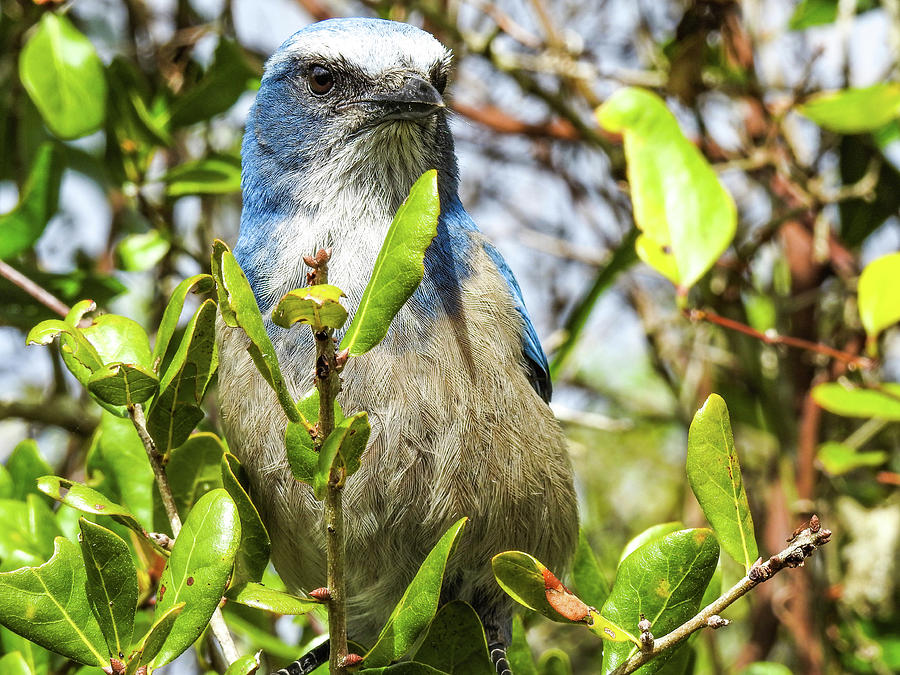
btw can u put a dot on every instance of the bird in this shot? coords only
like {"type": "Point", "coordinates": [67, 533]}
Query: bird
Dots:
{"type": "Point", "coordinates": [349, 113]}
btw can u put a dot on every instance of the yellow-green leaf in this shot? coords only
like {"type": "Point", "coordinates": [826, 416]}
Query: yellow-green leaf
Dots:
{"type": "Point", "coordinates": [854, 111]}
{"type": "Point", "coordinates": [879, 295]}
{"type": "Point", "coordinates": [845, 399]}
{"type": "Point", "coordinates": [318, 306]}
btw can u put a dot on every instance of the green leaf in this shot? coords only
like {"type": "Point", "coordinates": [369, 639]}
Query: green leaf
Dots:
{"type": "Point", "coordinates": [303, 458]}
{"type": "Point", "coordinates": [259, 637]}
{"type": "Point", "coordinates": [140, 252]}
{"type": "Point", "coordinates": [23, 226]}
{"type": "Point", "coordinates": [49, 605]}
{"type": "Point", "coordinates": [37, 658]}
{"type": "Point", "coordinates": [176, 411]}
{"type": "Point", "coordinates": [199, 283]}
{"type": "Point", "coordinates": [347, 441]}
{"type": "Point", "coordinates": [14, 664]}
{"type": "Point", "coordinates": [198, 570]}
{"type": "Point", "coordinates": [399, 267]}
{"type": "Point", "coordinates": [854, 111]}
{"type": "Point", "coordinates": [686, 217]}
{"type": "Point", "coordinates": [650, 534]}
{"type": "Point", "coordinates": [842, 398]}
{"type": "Point", "coordinates": [714, 473]}
{"type": "Point", "coordinates": [766, 668]}
{"type": "Point", "coordinates": [63, 75]}
{"type": "Point", "coordinates": [238, 307]}
{"type": "Point", "coordinates": [555, 661]}
{"type": "Point", "coordinates": [194, 468]}
{"type": "Point", "coordinates": [25, 466]}
{"type": "Point", "coordinates": [28, 531]}
{"type": "Point", "coordinates": [838, 459]}
{"type": "Point", "coordinates": [588, 578]}
{"type": "Point", "coordinates": [418, 605]}
{"type": "Point", "coordinates": [79, 355]}
{"type": "Point", "coordinates": [879, 302]}
{"type": "Point", "coordinates": [119, 339]}
{"type": "Point", "coordinates": [245, 665]}
{"type": "Point", "coordinates": [405, 668]}
{"type": "Point", "coordinates": [208, 176]}
{"type": "Point", "coordinates": [519, 653]}
{"type": "Point", "coordinates": [256, 595]}
{"type": "Point", "coordinates": [455, 642]}
{"type": "Point", "coordinates": [123, 384]}
{"type": "Point", "coordinates": [664, 580]}
{"type": "Point", "coordinates": [112, 585]}
{"type": "Point", "coordinates": [158, 634]}
{"type": "Point", "coordinates": [87, 500]}
{"type": "Point", "coordinates": [227, 78]}
{"type": "Point", "coordinates": [317, 306]}
{"type": "Point", "coordinates": [255, 548]}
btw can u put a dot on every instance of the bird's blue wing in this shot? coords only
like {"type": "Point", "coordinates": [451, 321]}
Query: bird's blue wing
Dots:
{"type": "Point", "coordinates": [536, 360]}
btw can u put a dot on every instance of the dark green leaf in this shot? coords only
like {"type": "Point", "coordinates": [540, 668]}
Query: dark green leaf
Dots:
{"type": "Point", "coordinates": [112, 585]}
{"type": "Point", "coordinates": [650, 534]}
{"type": "Point", "coordinates": [838, 459]}
{"type": "Point", "coordinates": [589, 579]}
{"type": "Point", "coordinates": [49, 605]}
{"type": "Point", "coordinates": [63, 75]}
{"type": "Point", "coordinates": [259, 637]}
{"type": "Point", "coordinates": [140, 252]}
{"type": "Point", "coordinates": [455, 642]}
{"type": "Point", "coordinates": [849, 401]}
{"type": "Point", "coordinates": [714, 473]}
{"type": "Point", "coordinates": [199, 283]}
{"type": "Point", "coordinates": [519, 653]}
{"type": "Point", "coordinates": [262, 597]}
{"type": "Point", "coordinates": [664, 580]}
{"type": "Point", "coordinates": [208, 176]}
{"type": "Point", "coordinates": [686, 217]}
{"type": "Point", "coordinates": [25, 466]}
{"type": "Point", "coordinates": [253, 553]}
{"type": "Point", "coordinates": [399, 267]}
{"type": "Point", "coordinates": [418, 605]}
{"type": "Point", "coordinates": [860, 216]}
{"type": "Point", "coordinates": [347, 441]}
{"type": "Point", "coordinates": [854, 111]}
{"type": "Point", "coordinates": [21, 227]}
{"type": "Point", "coordinates": [317, 306]}
{"type": "Point", "coordinates": [238, 307]}
{"type": "Point", "coordinates": [176, 411]}
{"type": "Point", "coordinates": [198, 570]}
{"type": "Point", "coordinates": [194, 468]}
{"type": "Point", "coordinates": [123, 384]}
{"type": "Point", "coordinates": [228, 77]}
{"type": "Point", "coordinates": [28, 531]}
{"type": "Point", "coordinates": [158, 634]}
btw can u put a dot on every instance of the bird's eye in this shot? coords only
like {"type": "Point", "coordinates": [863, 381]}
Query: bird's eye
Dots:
{"type": "Point", "coordinates": [320, 80]}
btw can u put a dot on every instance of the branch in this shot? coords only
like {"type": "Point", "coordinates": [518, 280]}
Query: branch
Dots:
{"type": "Point", "coordinates": [802, 545]}
{"type": "Point", "coordinates": [39, 293]}
{"type": "Point", "coordinates": [58, 411]}
{"type": "Point", "coordinates": [773, 338]}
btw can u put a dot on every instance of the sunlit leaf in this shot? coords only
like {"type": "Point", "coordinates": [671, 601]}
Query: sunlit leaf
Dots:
{"type": "Point", "coordinates": [418, 605]}
{"type": "Point", "coordinates": [139, 252]}
{"type": "Point", "coordinates": [399, 267]}
{"type": "Point", "coordinates": [112, 584]}
{"type": "Point", "coordinates": [317, 306]}
{"type": "Point", "coordinates": [198, 570]}
{"type": "Point", "coordinates": [347, 441]}
{"type": "Point", "coordinates": [199, 283]}
{"type": "Point", "coordinates": [838, 459]}
{"type": "Point", "coordinates": [14, 664]}
{"type": "Point", "coordinates": [245, 665]}
{"type": "Point", "coordinates": [21, 227]}
{"type": "Point", "coordinates": [253, 552]}
{"type": "Point", "coordinates": [854, 111]}
{"type": "Point", "coordinates": [653, 532]}
{"type": "Point", "coordinates": [37, 658]}
{"type": "Point", "coordinates": [28, 531]}
{"type": "Point", "coordinates": [158, 634]}
{"type": "Point", "coordinates": [256, 595]}
{"type": "Point", "coordinates": [63, 75]}
{"type": "Point", "coordinates": [207, 176]}
{"type": "Point", "coordinates": [714, 473]}
{"type": "Point", "coordinates": [48, 605]}
{"type": "Point", "coordinates": [686, 217]}
{"type": "Point", "coordinates": [529, 582]}
{"type": "Point", "coordinates": [879, 301]}
{"type": "Point", "coordinates": [664, 580]}
{"type": "Point", "coordinates": [455, 642]}
{"type": "Point", "coordinates": [850, 401]}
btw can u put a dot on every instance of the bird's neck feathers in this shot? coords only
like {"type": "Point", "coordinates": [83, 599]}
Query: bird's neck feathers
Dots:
{"type": "Point", "coordinates": [342, 194]}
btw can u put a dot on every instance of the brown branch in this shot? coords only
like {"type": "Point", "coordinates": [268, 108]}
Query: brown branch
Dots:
{"type": "Point", "coordinates": [501, 122]}
{"type": "Point", "coordinates": [37, 292]}
{"type": "Point", "coordinates": [58, 411]}
{"type": "Point", "coordinates": [801, 547]}
{"type": "Point", "coordinates": [772, 338]}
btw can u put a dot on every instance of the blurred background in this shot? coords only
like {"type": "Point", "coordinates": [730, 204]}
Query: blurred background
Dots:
{"type": "Point", "coordinates": [141, 198]}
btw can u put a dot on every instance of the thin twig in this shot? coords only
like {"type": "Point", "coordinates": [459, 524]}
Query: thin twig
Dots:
{"type": "Point", "coordinates": [773, 338]}
{"type": "Point", "coordinates": [801, 547]}
{"type": "Point", "coordinates": [40, 294]}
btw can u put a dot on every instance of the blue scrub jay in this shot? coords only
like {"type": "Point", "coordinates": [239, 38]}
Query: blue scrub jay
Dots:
{"type": "Point", "coordinates": [349, 114]}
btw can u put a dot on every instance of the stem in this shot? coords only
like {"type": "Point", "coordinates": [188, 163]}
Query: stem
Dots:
{"type": "Point", "coordinates": [217, 621]}
{"type": "Point", "coordinates": [39, 293]}
{"type": "Point", "coordinates": [801, 547]}
{"type": "Point", "coordinates": [328, 384]}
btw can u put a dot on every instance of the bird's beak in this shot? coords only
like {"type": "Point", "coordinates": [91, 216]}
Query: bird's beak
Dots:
{"type": "Point", "coordinates": [415, 100]}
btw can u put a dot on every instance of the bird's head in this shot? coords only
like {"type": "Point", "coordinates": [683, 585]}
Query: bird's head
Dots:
{"type": "Point", "coordinates": [349, 104]}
